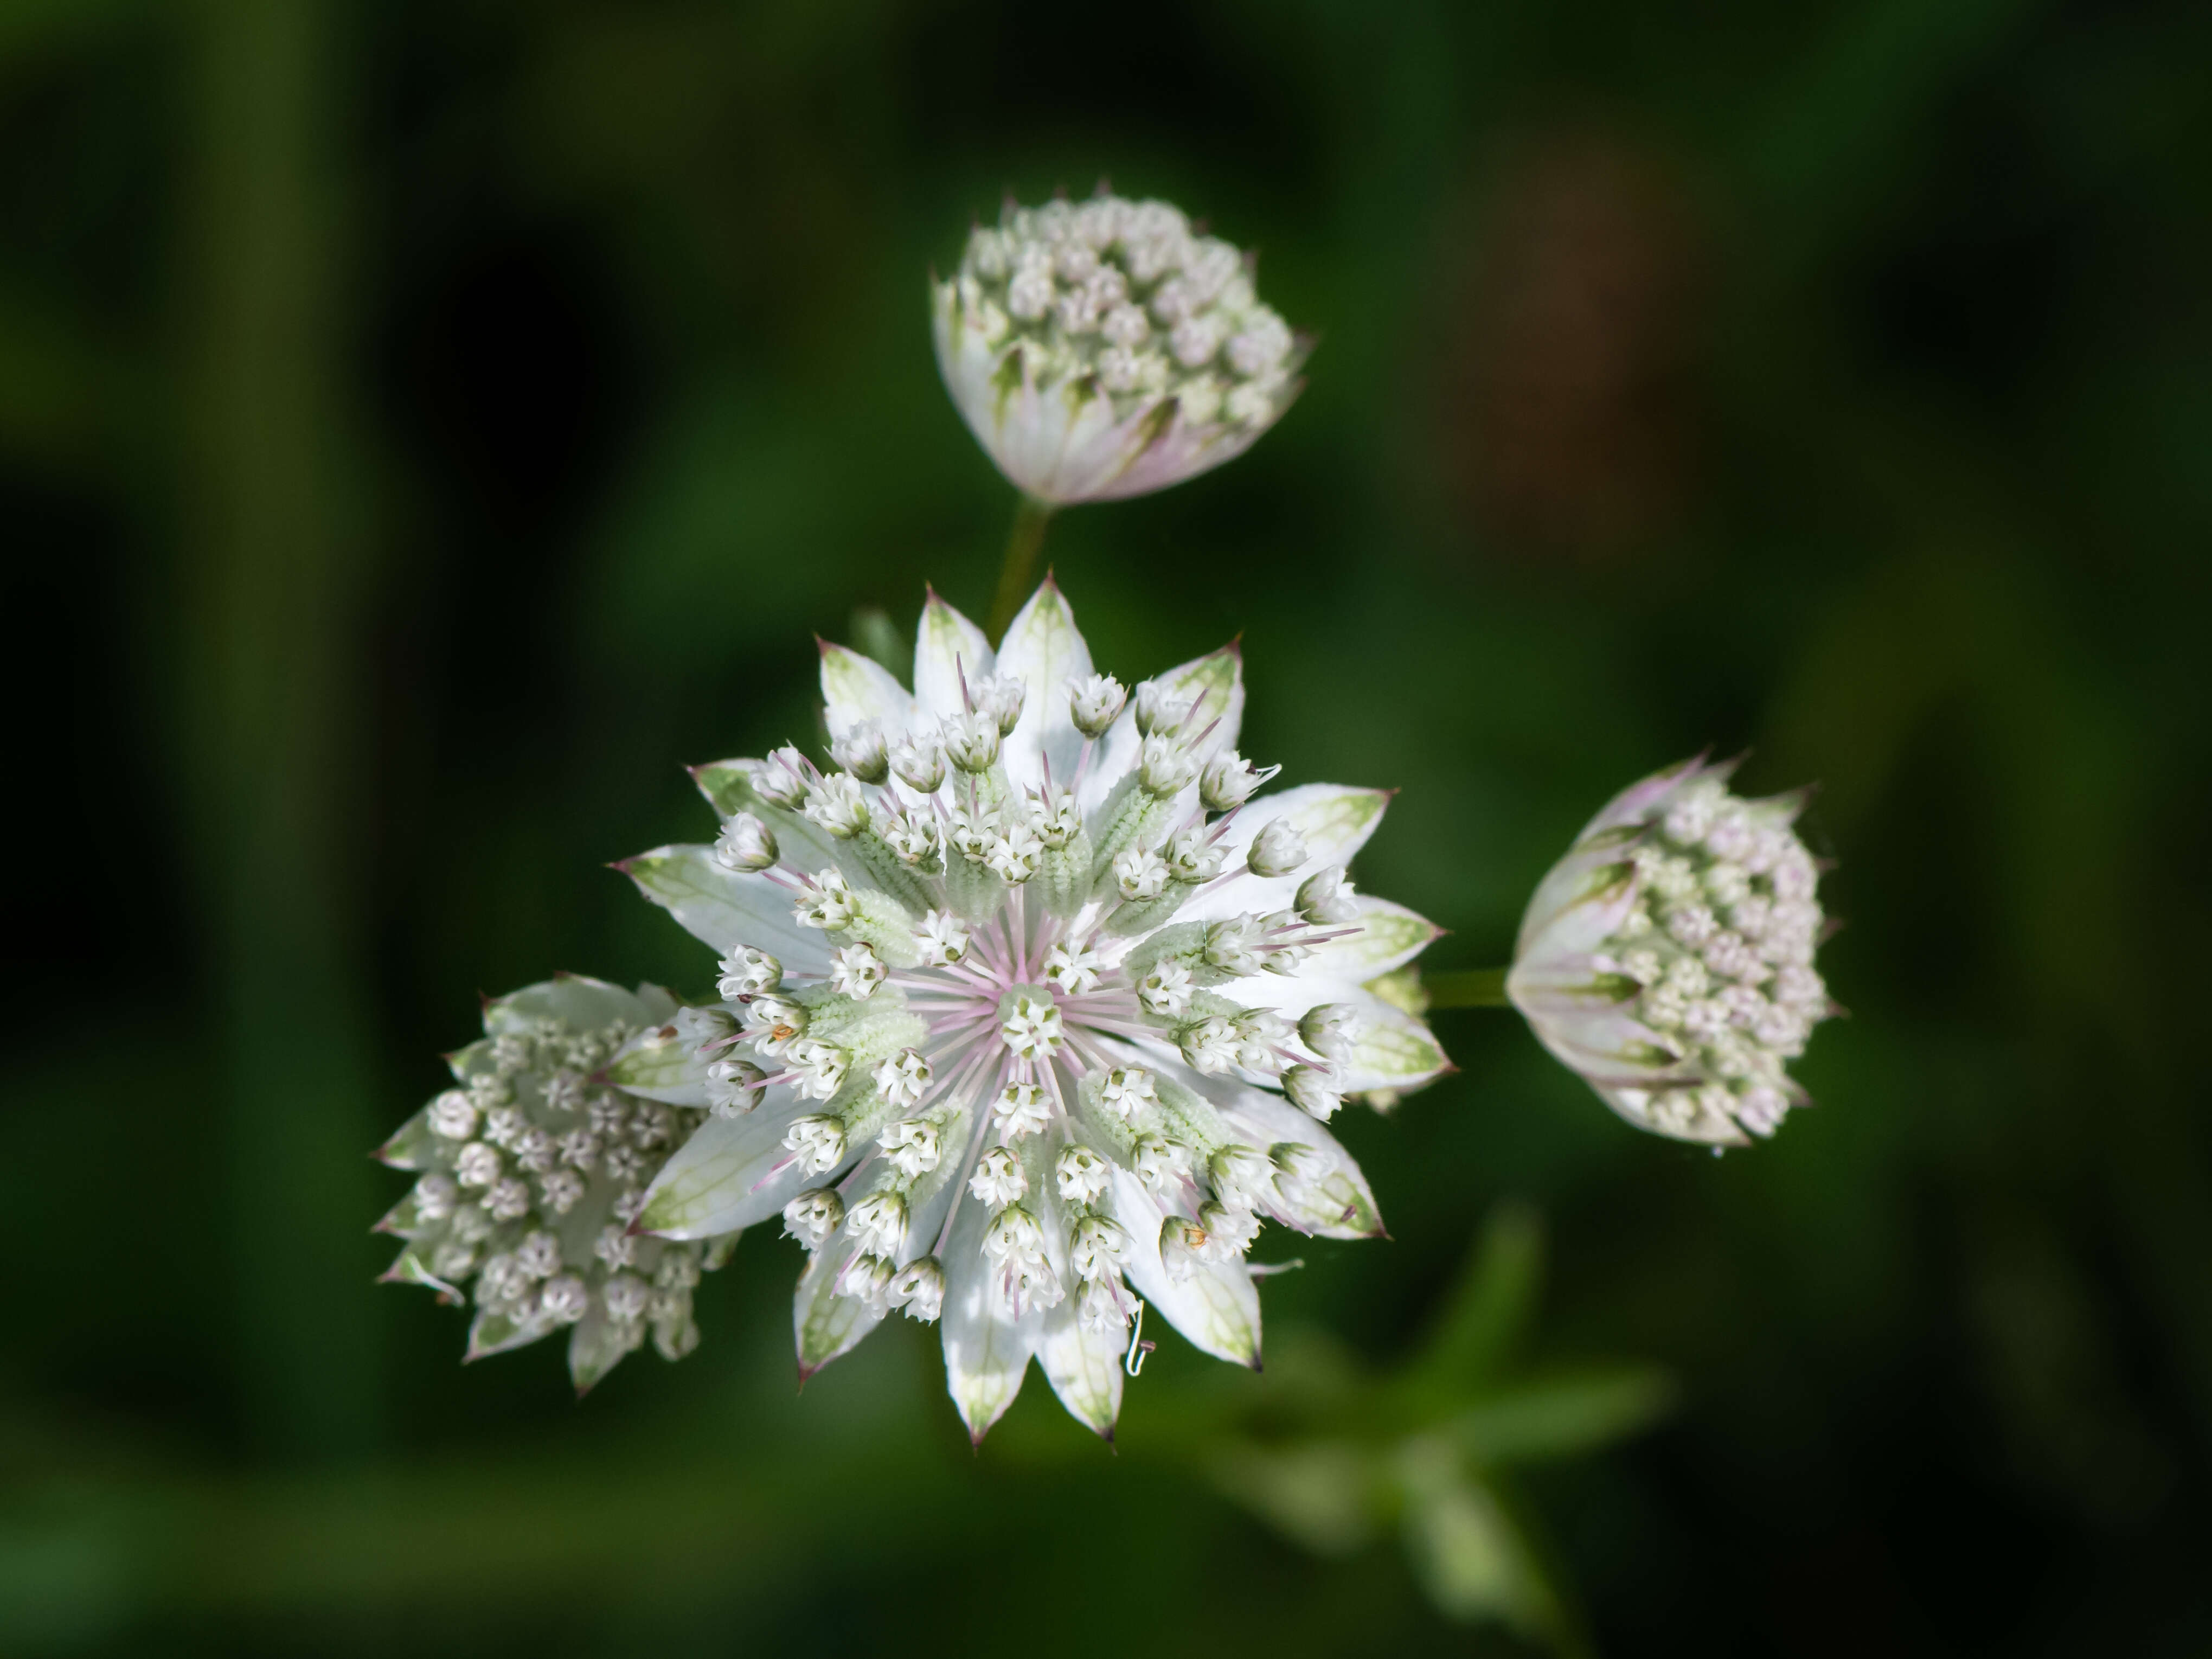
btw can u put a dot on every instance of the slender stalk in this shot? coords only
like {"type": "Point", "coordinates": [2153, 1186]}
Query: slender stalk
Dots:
{"type": "Point", "coordinates": [1472, 987]}
{"type": "Point", "coordinates": [1030, 519]}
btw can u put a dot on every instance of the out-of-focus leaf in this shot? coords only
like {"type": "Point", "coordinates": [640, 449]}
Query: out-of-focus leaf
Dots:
{"type": "Point", "coordinates": [1486, 1313]}
{"type": "Point", "coordinates": [1327, 1495]}
{"type": "Point", "coordinates": [1558, 1418]}
{"type": "Point", "coordinates": [1469, 1554]}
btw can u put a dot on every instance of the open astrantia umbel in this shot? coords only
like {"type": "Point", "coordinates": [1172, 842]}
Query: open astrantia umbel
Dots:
{"type": "Point", "coordinates": [1031, 1006]}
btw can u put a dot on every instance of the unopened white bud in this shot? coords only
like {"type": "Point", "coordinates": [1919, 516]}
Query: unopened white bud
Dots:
{"type": "Point", "coordinates": [836, 804]}
{"type": "Point", "coordinates": [825, 901]}
{"type": "Point", "coordinates": [856, 970]}
{"type": "Point", "coordinates": [747, 972]}
{"type": "Point", "coordinates": [1277, 850]}
{"type": "Point", "coordinates": [1094, 703]}
{"type": "Point", "coordinates": [866, 1278]}
{"type": "Point", "coordinates": [904, 1079]}
{"type": "Point", "coordinates": [914, 841]}
{"type": "Point", "coordinates": [564, 1300]}
{"type": "Point", "coordinates": [1166, 991]}
{"type": "Point", "coordinates": [477, 1165]}
{"type": "Point", "coordinates": [1095, 1247]}
{"type": "Point", "coordinates": [1158, 709]}
{"type": "Point", "coordinates": [1127, 1091]}
{"type": "Point", "coordinates": [1240, 1176]}
{"type": "Point", "coordinates": [1057, 820]}
{"type": "Point", "coordinates": [1230, 780]}
{"type": "Point", "coordinates": [454, 1116]}
{"type": "Point", "coordinates": [435, 1195]}
{"type": "Point", "coordinates": [746, 844]}
{"type": "Point", "coordinates": [863, 752]}
{"type": "Point", "coordinates": [1082, 1174]}
{"type": "Point", "coordinates": [877, 1223]}
{"type": "Point", "coordinates": [1166, 766]}
{"type": "Point", "coordinates": [813, 1216]}
{"type": "Point", "coordinates": [784, 777]}
{"type": "Point", "coordinates": [1325, 897]}
{"type": "Point", "coordinates": [1228, 1231]}
{"type": "Point", "coordinates": [942, 937]}
{"type": "Point", "coordinates": [1000, 696]}
{"type": "Point", "coordinates": [1312, 1092]}
{"type": "Point", "coordinates": [998, 1179]}
{"type": "Point", "coordinates": [1232, 945]}
{"type": "Point", "coordinates": [821, 1066]}
{"type": "Point", "coordinates": [561, 1190]}
{"type": "Point", "coordinates": [919, 761]}
{"type": "Point", "coordinates": [1194, 857]}
{"type": "Point", "coordinates": [734, 1087]}
{"type": "Point", "coordinates": [819, 1141]}
{"type": "Point", "coordinates": [1209, 1044]}
{"type": "Point", "coordinates": [970, 740]}
{"type": "Point", "coordinates": [919, 1288]}
{"type": "Point", "coordinates": [1021, 1110]}
{"type": "Point", "coordinates": [1331, 1031]}
{"type": "Point", "coordinates": [912, 1146]}
{"type": "Point", "coordinates": [1159, 1161]}
{"type": "Point", "coordinates": [1139, 873]}
{"type": "Point", "coordinates": [626, 1298]}
{"type": "Point", "coordinates": [1074, 972]}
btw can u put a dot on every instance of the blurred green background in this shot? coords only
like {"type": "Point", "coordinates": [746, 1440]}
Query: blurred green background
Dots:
{"type": "Point", "coordinates": [425, 426]}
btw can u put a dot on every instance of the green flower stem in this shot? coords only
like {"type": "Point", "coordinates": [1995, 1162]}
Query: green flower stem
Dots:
{"type": "Point", "coordinates": [1472, 987]}
{"type": "Point", "coordinates": [1030, 519]}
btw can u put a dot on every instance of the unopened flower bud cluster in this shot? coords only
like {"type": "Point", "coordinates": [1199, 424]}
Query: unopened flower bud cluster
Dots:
{"type": "Point", "coordinates": [529, 1176]}
{"type": "Point", "coordinates": [1714, 917]}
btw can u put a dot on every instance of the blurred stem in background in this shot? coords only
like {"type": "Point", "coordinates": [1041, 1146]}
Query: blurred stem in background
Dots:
{"type": "Point", "coordinates": [1030, 519]}
{"type": "Point", "coordinates": [1469, 987]}
{"type": "Point", "coordinates": [268, 687]}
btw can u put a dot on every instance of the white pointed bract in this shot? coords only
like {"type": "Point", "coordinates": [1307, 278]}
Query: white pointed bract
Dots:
{"type": "Point", "coordinates": [533, 1170]}
{"type": "Point", "coordinates": [991, 1031]}
{"type": "Point", "coordinates": [1106, 349]}
{"type": "Point", "coordinates": [1668, 957]}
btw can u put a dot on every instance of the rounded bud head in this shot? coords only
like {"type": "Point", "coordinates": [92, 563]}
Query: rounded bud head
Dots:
{"type": "Point", "coordinates": [734, 1087]}
{"type": "Point", "coordinates": [836, 804]}
{"type": "Point", "coordinates": [878, 1222]}
{"type": "Point", "coordinates": [1331, 1030]}
{"type": "Point", "coordinates": [1325, 899]}
{"type": "Point", "coordinates": [564, 1300]}
{"type": "Point", "coordinates": [1081, 1174]}
{"type": "Point", "coordinates": [1209, 1044]}
{"type": "Point", "coordinates": [919, 763]}
{"type": "Point", "coordinates": [1139, 873]}
{"type": "Point", "coordinates": [970, 740]}
{"type": "Point", "coordinates": [1277, 850]}
{"type": "Point", "coordinates": [1228, 781]}
{"type": "Point", "coordinates": [813, 1216]}
{"type": "Point", "coordinates": [1000, 696]}
{"type": "Point", "coordinates": [1158, 709]}
{"type": "Point", "coordinates": [919, 1288]}
{"type": "Point", "coordinates": [784, 777]}
{"type": "Point", "coordinates": [819, 1140]}
{"type": "Point", "coordinates": [998, 1180]}
{"type": "Point", "coordinates": [748, 972]}
{"type": "Point", "coordinates": [746, 844]}
{"type": "Point", "coordinates": [863, 752]}
{"type": "Point", "coordinates": [1166, 766]}
{"type": "Point", "coordinates": [1094, 703]}
{"type": "Point", "coordinates": [1312, 1092]}
{"type": "Point", "coordinates": [856, 970]}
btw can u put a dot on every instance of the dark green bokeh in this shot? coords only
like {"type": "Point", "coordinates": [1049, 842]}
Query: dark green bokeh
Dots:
{"type": "Point", "coordinates": [424, 426]}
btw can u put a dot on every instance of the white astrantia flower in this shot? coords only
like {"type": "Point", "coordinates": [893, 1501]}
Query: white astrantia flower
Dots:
{"type": "Point", "coordinates": [534, 1226]}
{"type": "Point", "coordinates": [1014, 1091]}
{"type": "Point", "coordinates": [1668, 957]}
{"type": "Point", "coordinates": [1107, 349]}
